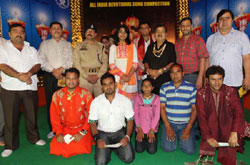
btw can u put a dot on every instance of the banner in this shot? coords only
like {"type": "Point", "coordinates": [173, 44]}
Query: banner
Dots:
{"type": "Point", "coordinates": [61, 11]}
{"type": "Point", "coordinates": [36, 16]}
{"type": "Point", "coordinates": [15, 11]}
{"type": "Point", "coordinates": [241, 10]}
{"type": "Point", "coordinates": [41, 16]}
{"type": "Point", "coordinates": [106, 15]}
{"type": "Point", "coordinates": [198, 16]}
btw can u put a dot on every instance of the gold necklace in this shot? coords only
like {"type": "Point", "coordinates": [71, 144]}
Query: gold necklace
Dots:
{"type": "Point", "coordinates": [70, 95]}
{"type": "Point", "coordinates": [160, 51]}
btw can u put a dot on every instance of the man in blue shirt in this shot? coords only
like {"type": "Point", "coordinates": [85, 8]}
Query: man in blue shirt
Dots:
{"type": "Point", "coordinates": [178, 112]}
{"type": "Point", "coordinates": [230, 49]}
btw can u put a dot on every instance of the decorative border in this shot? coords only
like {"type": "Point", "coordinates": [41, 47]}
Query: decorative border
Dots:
{"type": "Point", "coordinates": [182, 10]}
{"type": "Point", "coordinates": [77, 10]}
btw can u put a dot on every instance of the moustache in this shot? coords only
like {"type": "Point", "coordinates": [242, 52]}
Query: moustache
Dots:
{"type": "Point", "coordinates": [159, 35]}
{"type": "Point", "coordinates": [89, 35]}
{"type": "Point", "coordinates": [18, 36]}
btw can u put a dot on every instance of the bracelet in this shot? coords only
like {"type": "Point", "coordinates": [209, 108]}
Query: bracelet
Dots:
{"type": "Point", "coordinates": [160, 71]}
{"type": "Point", "coordinates": [165, 69]}
{"type": "Point", "coordinates": [128, 137]}
{"type": "Point", "coordinates": [152, 132]}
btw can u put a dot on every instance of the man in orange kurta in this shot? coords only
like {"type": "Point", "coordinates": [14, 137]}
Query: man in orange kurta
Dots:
{"type": "Point", "coordinates": [69, 115]}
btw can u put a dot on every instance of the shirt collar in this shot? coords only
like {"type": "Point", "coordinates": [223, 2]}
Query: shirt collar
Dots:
{"type": "Point", "coordinates": [61, 40]}
{"type": "Point", "coordinates": [182, 83]}
{"type": "Point", "coordinates": [148, 41]}
{"type": "Point", "coordinates": [189, 38]}
{"type": "Point", "coordinates": [77, 90]}
{"type": "Point", "coordinates": [231, 31]}
{"type": "Point", "coordinates": [116, 94]}
{"type": "Point", "coordinates": [25, 43]}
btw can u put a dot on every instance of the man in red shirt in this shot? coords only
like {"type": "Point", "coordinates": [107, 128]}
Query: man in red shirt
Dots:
{"type": "Point", "coordinates": [191, 53]}
{"type": "Point", "coordinates": [69, 113]}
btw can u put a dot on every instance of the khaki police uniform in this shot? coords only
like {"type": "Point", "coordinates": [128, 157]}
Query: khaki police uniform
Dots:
{"type": "Point", "coordinates": [90, 59]}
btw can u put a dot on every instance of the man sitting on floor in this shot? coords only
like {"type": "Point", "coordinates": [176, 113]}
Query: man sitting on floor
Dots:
{"type": "Point", "coordinates": [221, 117]}
{"type": "Point", "coordinates": [107, 121]}
{"type": "Point", "coordinates": [69, 113]}
{"type": "Point", "coordinates": [178, 112]}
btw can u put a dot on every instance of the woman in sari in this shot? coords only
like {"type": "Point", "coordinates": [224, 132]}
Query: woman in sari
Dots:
{"type": "Point", "coordinates": [123, 62]}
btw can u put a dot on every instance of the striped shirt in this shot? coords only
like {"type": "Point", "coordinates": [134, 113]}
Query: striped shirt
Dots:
{"type": "Point", "coordinates": [178, 101]}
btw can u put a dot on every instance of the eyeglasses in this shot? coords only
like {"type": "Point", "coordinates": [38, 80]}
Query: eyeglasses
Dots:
{"type": "Point", "coordinates": [224, 18]}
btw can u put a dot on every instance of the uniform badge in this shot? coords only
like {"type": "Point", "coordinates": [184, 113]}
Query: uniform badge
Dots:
{"type": "Point", "coordinates": [83, 48]}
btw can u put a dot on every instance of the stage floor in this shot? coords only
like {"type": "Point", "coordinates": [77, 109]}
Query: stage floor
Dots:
{"type": "Point", "coordinates": [28, 154]}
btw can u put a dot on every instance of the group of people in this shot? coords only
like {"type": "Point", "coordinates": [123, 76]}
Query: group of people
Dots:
{"type": "Point", "coordinates": [110, 87]}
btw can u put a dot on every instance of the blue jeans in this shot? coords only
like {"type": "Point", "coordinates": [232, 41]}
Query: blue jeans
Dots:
{"type": "Point", "coordinates": [103, 156]}
{"type": "Point", "coordinates": [188, 146]}
{"type": "Point", "coordinates": [193, 78]}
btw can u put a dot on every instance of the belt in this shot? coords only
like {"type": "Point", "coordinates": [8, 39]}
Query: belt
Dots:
{"type": "Point", "coordinates": [91, 70]}
{"type": "Point", "coordinates": [196, 73]}
{"type": "Point", "coordinates": [120, 130]}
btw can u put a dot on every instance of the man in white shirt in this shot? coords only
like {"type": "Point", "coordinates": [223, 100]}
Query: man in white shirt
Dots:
{"type": "Point", "coordinates": [230, 48]}
{"type": "Point", "coordinates": [107, 121]}
{"type": "Point", "coordinates": [56, 55]}
{"type": "Point", "coordinates": [19, 64]}
{"type": "Point", "coordinates": [142, 44]}
{"type": "Point", "coordinates": [2, 41]}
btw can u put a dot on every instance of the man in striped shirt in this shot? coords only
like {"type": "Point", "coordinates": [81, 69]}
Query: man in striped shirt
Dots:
{"type": "Point", "coordinates": [178, 112]}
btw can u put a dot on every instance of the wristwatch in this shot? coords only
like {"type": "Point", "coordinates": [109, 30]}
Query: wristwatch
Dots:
{"type": "Point", "coordinates": [96, 137]}
{"type": "Point", "coordinates": [83, 132]}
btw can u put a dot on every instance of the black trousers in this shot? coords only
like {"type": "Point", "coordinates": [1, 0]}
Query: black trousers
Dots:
{"type": "Point", "coordinates": [165, 77]}
{"type": "Point", "coordinates": [50, 84]}
{"type": "Point", "coordinates": [103, 156]}
{"type": "Point", "coordinates": [12, 101]}
{"type": "Point", "coordinates": [1, 120]}
{"type": "Point", "coordinates": [145, 145]}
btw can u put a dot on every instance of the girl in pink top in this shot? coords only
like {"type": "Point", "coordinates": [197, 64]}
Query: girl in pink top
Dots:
{"type": "Point", "coordinates": [147, 116]}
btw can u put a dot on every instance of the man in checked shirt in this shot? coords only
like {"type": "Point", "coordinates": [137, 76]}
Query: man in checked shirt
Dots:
{"type": "Point", "coordinates": [191, 53]}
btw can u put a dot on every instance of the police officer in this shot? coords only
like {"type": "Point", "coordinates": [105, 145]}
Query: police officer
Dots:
{"type": "Point", "coordinates": [91, 60]}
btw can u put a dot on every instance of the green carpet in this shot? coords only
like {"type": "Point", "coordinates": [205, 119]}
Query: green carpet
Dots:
{"type": "Point", "coordinates": [39, 155]}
